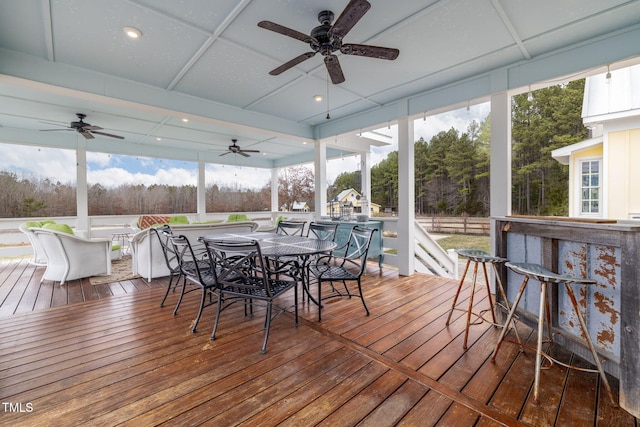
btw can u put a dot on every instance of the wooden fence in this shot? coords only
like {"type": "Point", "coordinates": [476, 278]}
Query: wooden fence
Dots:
{"type": "Point", "coordinates": [455, 225]}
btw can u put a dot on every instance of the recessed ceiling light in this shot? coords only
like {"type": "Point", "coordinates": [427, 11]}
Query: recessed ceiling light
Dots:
{"type": "Point", "coordinates": [185, 120]}
{"type": "Point", "coordinates": [158, 139]}
{"type": "Point", "coordinates": [317, 98]}
{"type": "Point", "coordinates": [132, 32]}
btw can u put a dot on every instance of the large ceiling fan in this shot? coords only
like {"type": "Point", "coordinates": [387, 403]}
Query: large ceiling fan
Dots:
{"type": "Point", "coordinates": [235, 149]}
{"type": "Point", "coordinates": [85, 129]}
{"type": "Point", "coordinates": [326, 39]}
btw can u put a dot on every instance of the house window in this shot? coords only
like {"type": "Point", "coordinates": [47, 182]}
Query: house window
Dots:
{"type": "Point", "coordinates": [590, 186]}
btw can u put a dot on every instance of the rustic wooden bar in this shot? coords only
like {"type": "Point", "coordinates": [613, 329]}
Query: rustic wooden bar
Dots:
{"type": "Point", "coordinates": [603, 250]}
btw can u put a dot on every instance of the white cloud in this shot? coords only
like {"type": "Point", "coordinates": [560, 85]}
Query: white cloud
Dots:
{"type": "Point", "coordinates": [458, 119]}
{"type": "Point", "coordinates": [39, 162]}
{"type": "Point", "coordinates": [232, 176]}
{"type": "Point", "coordinates": [113, 177]}
{"type": "Point", "coordinates": [100, 159]}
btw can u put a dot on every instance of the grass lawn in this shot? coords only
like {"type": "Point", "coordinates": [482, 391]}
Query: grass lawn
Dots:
{"type": "Point", "coordinates": [458, 241]}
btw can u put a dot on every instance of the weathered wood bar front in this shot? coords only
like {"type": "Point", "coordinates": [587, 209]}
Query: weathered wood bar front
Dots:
{"type": "Point", "coordinates": [606, 251]}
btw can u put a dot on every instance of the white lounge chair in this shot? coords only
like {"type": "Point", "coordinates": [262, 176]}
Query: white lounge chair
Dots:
{"type": "Point", "coordinates": [71, 257]}
{"type": "Point", "coordinates": [39, 257]}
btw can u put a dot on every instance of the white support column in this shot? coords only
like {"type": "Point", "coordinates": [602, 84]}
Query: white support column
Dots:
{"type": "Point", "coordinates": [274, 192]}
{"type": "Point", "coordinates": [201, 190]}
{"type": "Point", "coordinates": [82, 192]}
{"type": "Point", "coordinates": [320, 164]}
{"type": "Point", "coordinates": [365, 177]}
{"type": "Point", "coordinates": [500, 163]}
{"type": "Point", "coordinates": [500, 167]}
{"type": "Point", "coordinates": [406, 197]}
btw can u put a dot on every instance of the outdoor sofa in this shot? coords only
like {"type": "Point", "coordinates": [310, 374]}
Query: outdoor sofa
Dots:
{"type": "Point", "coordinates": [147, 258]}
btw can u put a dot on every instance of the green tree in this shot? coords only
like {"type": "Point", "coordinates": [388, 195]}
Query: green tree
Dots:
{"type": "Point", "coordinates": [420, 155]}
{"type": "Point", "coordinates": [548, 119]}
{"type": "Point", "coordinates": [31, 206]}
{"type": "Point", "coordinates": [441, 193]}
{"type": "Point", "coordinates": [384, 182]}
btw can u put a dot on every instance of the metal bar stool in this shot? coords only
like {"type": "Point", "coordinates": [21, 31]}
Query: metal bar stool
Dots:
{"type": "Point", "coordinates": [479, 257]}
{"type": "Point", "coordinates": [546, 277]}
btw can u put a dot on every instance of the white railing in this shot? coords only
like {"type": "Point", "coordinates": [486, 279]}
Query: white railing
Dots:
{"type": "Point", "coordinates": [430, 257]}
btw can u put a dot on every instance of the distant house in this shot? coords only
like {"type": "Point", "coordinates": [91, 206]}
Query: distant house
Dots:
{"type": "Point", "coordinates": [300, 207]}
{"type": "Point", "coordinates": [604, 175]}
{"type": "Point", "coordinates": [350, 199]}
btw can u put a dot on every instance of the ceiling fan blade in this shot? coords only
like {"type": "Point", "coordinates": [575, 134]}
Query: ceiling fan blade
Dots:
{"type": "Point", "coordinates": [105, 134]}
{"type": "Point", "coordinates": [370, 51]}
{"type": "Point", "coordinates": [272, 26]}
{"type": "Point", "coordinates": [250, 151]}
{"type": "Point", "coordinates": [225, 153]}
{"type": "Point", "coordinates": [53, 123]}
{"type": "Point", "coordinates": [295, 61]}
{"type": "Point", "coordinates": [87, 135]}
{"type": "Point", "coordinates": [242, 153]}
{"type": "Point", "coordinates": [53, 130]}
{"type": "Point", "coordinates": [334, 69]}
{"type": "Point", "coordinates": [91, 127]}
{"type": "Point", "coordinates": [348, 18]}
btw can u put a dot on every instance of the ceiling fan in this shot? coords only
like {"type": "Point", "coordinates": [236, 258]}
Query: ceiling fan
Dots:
{"type": "Point", "coordinates": [327, 38]}
{"type": "Point", "coordinates": [235, 149]}
{"type": "Point", "coordinates": [85, 129]}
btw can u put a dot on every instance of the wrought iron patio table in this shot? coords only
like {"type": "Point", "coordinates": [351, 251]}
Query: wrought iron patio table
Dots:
{"type": "Point", "coordinates": [278, 246]}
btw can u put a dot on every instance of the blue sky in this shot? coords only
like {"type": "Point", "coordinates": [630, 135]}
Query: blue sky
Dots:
{"type": "Point", "coordinates": [114, 170]}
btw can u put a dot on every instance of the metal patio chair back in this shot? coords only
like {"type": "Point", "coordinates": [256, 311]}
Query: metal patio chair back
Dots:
{"type": "Point", "coordinates": [242, 276]}
{"type": "Point", "coordinates": [291, 228]}
{"type": "Point", "coordinates": [344, 264]}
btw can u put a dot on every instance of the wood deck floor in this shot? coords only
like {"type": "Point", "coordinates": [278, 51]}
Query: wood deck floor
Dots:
{"type": "Point", "coordinates": [109, 355]}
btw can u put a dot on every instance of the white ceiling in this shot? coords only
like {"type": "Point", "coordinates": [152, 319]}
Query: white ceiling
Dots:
{"type": "Point", "coordinates": [209, 61]}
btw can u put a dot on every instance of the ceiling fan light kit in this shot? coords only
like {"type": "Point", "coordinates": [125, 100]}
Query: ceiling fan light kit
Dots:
{"type": "Point", "coordinates": [327, 39]}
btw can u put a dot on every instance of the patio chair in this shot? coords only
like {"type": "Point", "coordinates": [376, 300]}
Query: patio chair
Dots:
{"type": "Point", "coordinates": [195, 270]}
{"type": "Point", "coordinates": [71, 257]}
{"type": "Point", "coordinates": [164, 234]}
{"type": "Point", "coordinates": [287, 228]}
{"type": "Point", "coordinates": [39, 256]}
{"type": "Point", "coordinates": [350, 265]}
{"type": "Point", "coordinates": [291, 228]}
{"type": "Point", "coordinates": [321, 232]}
{"type": "Point", "coordinates": [242, 276]}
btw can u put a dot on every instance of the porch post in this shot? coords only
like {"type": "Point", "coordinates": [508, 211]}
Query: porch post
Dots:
{"type": "Point", "coordinates": [365, 178]}
{"type": "Point", "coordinates": [500, 161]}
{"type": "Point", "coordinates": [274, 193]}
{"type": "Point", "coordinates": [406, 197]}
{"type": "Point", "coordinates": [320, 182]}
{"type": "Point", "coordinates": [82, 198]}
{"type": "Point", "coordinates": [201, 190]}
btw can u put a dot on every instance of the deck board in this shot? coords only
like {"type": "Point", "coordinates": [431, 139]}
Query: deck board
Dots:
{"type": "Point", "coordinates": [109, 354]}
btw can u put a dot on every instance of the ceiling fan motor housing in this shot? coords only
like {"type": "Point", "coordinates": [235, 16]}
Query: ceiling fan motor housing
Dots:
{"type": "Point", "coordinates": [320, 40]}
